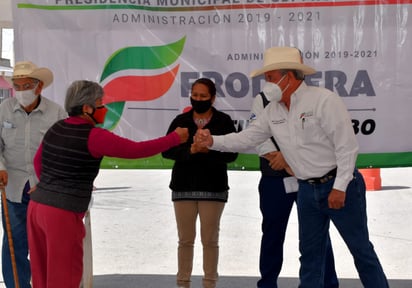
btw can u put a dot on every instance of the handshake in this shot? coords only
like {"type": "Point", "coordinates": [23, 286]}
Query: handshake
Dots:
{"type": "Point", "coordinates": [202, 139]}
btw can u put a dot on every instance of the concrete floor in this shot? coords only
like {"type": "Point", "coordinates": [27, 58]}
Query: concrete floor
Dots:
{"type": "Point", "coordinates": [134, 233]}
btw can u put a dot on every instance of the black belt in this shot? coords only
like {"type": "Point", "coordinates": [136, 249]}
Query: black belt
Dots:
{"type": "Point", "coordinates": [325, 178]}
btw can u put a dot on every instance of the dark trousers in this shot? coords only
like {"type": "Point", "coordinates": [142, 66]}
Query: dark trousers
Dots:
{"type": "Point", "coordinates": [275, 206]}
{"type": "Point", "coordinates": [350, 221]}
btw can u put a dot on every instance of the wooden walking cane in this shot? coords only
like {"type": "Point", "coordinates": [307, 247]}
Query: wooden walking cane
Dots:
{"type": "Point", "coordinates": [9, 236]}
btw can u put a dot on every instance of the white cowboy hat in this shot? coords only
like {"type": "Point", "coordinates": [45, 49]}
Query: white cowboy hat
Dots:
{"type": "Point", "coordinates": [277, 58]}
{"type": "Point", "coordinates": [27, 69]}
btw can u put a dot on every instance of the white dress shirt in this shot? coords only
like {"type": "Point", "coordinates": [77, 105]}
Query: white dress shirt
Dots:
{"type": "Point", "coordinates": [315, 135]}
{"type": "Point", "coordinates": [257, 109]}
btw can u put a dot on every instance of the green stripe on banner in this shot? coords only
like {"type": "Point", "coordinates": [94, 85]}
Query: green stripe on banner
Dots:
{"type": "Point", "coordinates": [192, 8]}
{"type": "Point", "coordinates": [384, 160]}
{"type": "Point", "coordinates": [154, 57]}
{"type": "Point", "coordinates": [90, 7]}
{"type": "Point", "coordinates": [250, 162]}
{"type": "Point", "coordinates": [243, 162]}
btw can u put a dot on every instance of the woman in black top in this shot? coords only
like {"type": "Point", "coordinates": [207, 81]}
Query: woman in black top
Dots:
{"type": "Point", "coordinates": [199, 183]}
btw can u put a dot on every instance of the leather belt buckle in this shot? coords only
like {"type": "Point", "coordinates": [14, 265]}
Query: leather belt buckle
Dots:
{"type": "Point", "coordinates": [325, 179]}
{"type": "Point", "coordinates": [321, 180]}
{"type": "Point", "coordinates": [311, 181]}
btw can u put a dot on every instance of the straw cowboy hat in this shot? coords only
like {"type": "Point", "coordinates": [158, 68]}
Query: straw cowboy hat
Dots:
{"type": "Point", "coordinates": [27, 69]}
{"type": "Point", "coordinates": [277, 58]}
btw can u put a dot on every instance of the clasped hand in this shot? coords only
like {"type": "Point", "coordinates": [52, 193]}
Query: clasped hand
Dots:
{"type": "Point", "coordinates": [203, 138]}
{"type": "Point", "coordinates": [183, 134]}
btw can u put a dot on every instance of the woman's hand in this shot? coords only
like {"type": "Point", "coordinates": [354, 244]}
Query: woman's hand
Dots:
{"type": "Point", "coordinates": [183, 134]}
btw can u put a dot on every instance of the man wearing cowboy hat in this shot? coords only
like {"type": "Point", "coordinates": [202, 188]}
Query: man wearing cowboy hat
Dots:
{"type": "Point", "coordinates": [277, 193]}
{"type": "Point", "coordinates": [24, 119]}
{"type": "Point", "coordinates": [313, 129]}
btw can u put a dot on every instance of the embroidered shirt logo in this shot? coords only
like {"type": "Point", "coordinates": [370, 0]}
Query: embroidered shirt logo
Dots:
{"type": "Point", "coordinates": [280, 121]}
{"type": "Point", "coordinates": [306, 114]}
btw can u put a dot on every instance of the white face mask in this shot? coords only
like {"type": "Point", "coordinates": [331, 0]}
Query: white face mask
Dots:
{"type": "Point", "coordinates": [272, 91]}
{"type": "Point", "coordinates": [26, 97]}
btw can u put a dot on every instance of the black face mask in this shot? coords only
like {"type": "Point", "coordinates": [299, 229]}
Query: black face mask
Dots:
{"type": "Point", "coordinates": [201, 106]}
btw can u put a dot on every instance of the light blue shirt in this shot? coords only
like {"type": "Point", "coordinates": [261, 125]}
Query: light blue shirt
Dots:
{"type": "Point", "coordinates": [21, 135]}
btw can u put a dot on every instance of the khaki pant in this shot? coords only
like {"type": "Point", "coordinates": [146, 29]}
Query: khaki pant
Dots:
{"type": "Point", "coordinates": [87, 279]}
{"type": "Point", "coordinates": [209, 213]}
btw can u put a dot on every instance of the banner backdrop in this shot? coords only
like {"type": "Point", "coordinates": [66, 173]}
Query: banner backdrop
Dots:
{"type": "Point", "coordinates": [147, 53]}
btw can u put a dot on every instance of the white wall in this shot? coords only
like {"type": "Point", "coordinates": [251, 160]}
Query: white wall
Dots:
{"type": "Point", "coordinates": [5, 11]}
{"type": "Point", "coordinates": [5, 16]}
